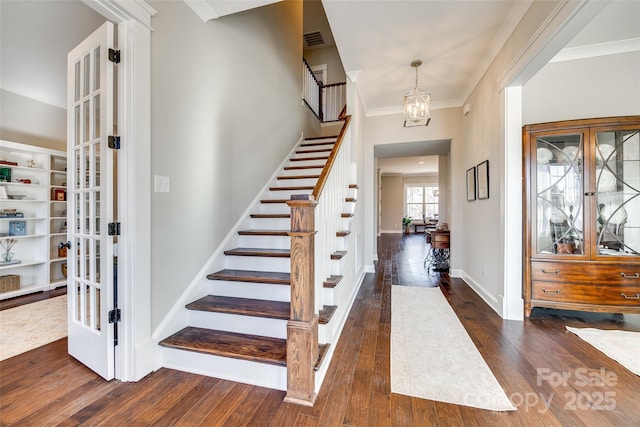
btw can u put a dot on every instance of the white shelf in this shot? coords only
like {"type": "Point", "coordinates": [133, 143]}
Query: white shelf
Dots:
{"type": "Point", "coordinates": [32, 218]}
{"type": "Point", "coordinates": [37, 206]}
{"type": "Point", "coordinates": [26, 289]}
{"type": "Point", "coordinates": [24, 263]}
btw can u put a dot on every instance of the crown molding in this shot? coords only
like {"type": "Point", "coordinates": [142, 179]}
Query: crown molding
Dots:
{"type": "Point", "coordinates": [595, 50]}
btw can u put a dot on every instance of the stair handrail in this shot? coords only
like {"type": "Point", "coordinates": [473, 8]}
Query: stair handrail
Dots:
{"type": "Point", "coordinates": [317, 190]}
{"type": "Point", "coordinates": [302, 327]}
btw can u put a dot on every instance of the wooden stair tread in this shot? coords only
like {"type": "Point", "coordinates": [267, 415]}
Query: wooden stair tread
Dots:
{"type": "Point", "coordinates": [288, 168]}
{"type": "Point", "coordinates": [304, 159]}
{"type": "Point", "coordinates": [270, 277]}
{"type": "Point", "coordinates": [332, 281]}
{"type": "Point", "coordinates": [315, 150]}
{"type": "Point", "coordinates": [270, 216]}
{"type": "Point", "coordinates": [314, 138]}
{"type": "Point", "coordinates": [338, 254]}
{"type": "Point", "coordinates": [274, 200]}
{"type": "Point", "coordinates": [326, 314]}
{"type": "Point", "coordinates": [230, 344]}
{"type": "Point", "coordinates": [272, 253]}
{"type": "Point", "coordinates": [293, 188]}
{"type": "Point", "coordinates": [350, 200]}
{"type": "Point", "coordinates": [354, 186]}
{"type": "Point", "coordinates": [316, 144]}
{"type": "Point", "coordinates": [343, 233]}
{"type": "Point", "coordinates": [242, 306]}
{"type": "Point", "coordinates": [263, 232]}
{"type": "Point", "coordinates": [298, 177]}
{"type": "Point", "coordinates": [347, 215]}
{"type": "Point", "coordinates": [253, 348]}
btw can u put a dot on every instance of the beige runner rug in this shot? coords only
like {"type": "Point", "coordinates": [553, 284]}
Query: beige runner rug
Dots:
{"type": "Point", "coordinates": [32, 325]}
{"type": "Point", "coordinates": [433, 357]}
{"type": "Point", "coordinates": [621, 346]}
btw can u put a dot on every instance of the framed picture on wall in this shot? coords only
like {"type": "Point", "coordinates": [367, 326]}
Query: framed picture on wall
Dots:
{"type": "Point", "coordinates": [483, 180]}
{"type": "Point", "coordinates": [471, 184]}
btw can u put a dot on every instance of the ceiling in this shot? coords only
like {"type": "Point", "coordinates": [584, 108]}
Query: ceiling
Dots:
{"type": "Point", "coordinates": [376, 40]}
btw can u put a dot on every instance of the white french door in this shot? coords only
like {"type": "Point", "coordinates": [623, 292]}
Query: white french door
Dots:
{"type": "Point", "coordinates": [90, 181]}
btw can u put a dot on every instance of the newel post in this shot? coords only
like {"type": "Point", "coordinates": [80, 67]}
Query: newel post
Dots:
{"type": "Point", "coordinates": [302, 327]}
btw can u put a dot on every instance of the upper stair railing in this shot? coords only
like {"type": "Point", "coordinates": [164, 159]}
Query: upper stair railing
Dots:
{"type": "Point", "coordinates": [315, 219]}
{"type": "Point", "coordinates": [326, 101]}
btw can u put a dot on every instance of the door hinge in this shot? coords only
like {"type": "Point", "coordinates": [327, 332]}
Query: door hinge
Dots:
{"type": "Point", "coordinates": [113, 142]}
{"type": "Point", "coordinates": [114, 315]}
{"type": "Point", "coordinates": [114, 229]}
{"type": "Point", "coordinates": [114, 56]}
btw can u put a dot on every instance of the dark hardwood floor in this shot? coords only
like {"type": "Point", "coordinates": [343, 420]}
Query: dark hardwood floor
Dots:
{"type": "Point", "coordinates": [47, 387]}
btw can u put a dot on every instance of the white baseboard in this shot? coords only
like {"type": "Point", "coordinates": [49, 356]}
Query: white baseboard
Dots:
{"type": "Point", "coordinates": [490, 299]}
{"type": "Point", "coordinates": [391, 231]}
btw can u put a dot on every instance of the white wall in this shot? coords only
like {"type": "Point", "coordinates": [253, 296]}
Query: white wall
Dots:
{"type": "Point", "coordinates": [225, 111]}
{"type": "Point", "coordinates": [586, 88]}
{"type": "Point", "coordinates": [32, 122]}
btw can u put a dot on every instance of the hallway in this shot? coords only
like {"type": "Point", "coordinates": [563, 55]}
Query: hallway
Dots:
{"type": "Point", "coordinates": [47, 387]}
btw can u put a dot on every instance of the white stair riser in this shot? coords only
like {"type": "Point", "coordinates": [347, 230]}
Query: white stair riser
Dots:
{"type": "Point", "coordinates": [266, 291]}
{"type": "Point", "coordinates": [328, 296]}
{"type": "Point", "coordinates": [260, 374]}
{"type": "Point", "coordinates": [298, 172]}
{"type": "Point", "coordinates": [286, 194]}
{"type": "Point", "coordinates": [337, 266]}
{"type": "Point", "coordinates": [319, 140]}
{"type": "Point", "coordinates": [312, 155]}
{"type": "Point", "coordinates": [306, 162]}
{"type": "Point", "coordinates": [295, 182]}
{"type": "Point", "coordinates": [271, 223]}
{"type": "Point", "coordinates": [275, 328]}
{"type": "Point", "coordinates": [266, 242]}
{"type": "Point", "coordinates": [274, 208]}
{"type": "Point", "coordinates": [258, 263]}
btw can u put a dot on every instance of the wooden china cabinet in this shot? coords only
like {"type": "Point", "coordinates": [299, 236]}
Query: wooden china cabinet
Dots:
{"type": "Point", "coordinates": [582, 215]}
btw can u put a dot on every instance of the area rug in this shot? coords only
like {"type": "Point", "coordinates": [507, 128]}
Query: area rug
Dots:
{"type": "Point", "coordinates": [29, 326]}
{"type": "Point", "coordinates": [433, 357]}
{"type": "Point", "coordinates": [621, 346]}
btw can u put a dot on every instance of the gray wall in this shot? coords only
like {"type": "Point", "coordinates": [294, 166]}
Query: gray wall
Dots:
{"type": "Point", "coordinates": [225, 111]}
{"type": "Point", "coordinates": [586, 88]}
{"type": "Point", "coordinates": [28, 121]}
{"type": "Point", "coordinates": [328, 55]}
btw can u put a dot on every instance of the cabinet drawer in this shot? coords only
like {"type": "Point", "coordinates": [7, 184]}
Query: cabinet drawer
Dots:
{"type": "Point", "coordinates": [586, 273]}
{"type": "Point", "coordinates": [585, 293]}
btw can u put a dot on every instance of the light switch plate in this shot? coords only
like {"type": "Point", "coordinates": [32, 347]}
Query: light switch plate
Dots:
{"type": "Point", "coordinates": [162, 184]}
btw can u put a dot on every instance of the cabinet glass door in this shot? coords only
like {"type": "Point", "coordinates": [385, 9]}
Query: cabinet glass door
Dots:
{"type": "Point", "coordinates": [617, 185]}
{"type": "Point", "coordinates": [559, 194]}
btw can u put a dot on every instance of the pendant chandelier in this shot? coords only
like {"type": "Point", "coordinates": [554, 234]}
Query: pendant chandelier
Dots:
{"type": "Point", "coordinates": [416, 103]}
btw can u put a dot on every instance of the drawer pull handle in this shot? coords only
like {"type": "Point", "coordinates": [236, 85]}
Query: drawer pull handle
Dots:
{"type": "Point", "coordinates": [551, 272]}
{"type": "Point", "coordinates": [556, 292]}
{"type": "Point", "coordinates": [626, 297]}
{"type": "Point", "coordinates": [628, 276]}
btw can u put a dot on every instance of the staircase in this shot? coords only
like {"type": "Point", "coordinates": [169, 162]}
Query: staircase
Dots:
{"type": "Point", "coordinates": [238, 330]}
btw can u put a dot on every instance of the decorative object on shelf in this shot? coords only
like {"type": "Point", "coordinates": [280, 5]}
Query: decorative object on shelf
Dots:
{"type": "Point", "coordinates": [606, 181]}
{"type": "Point", "coordinates": [11, 213]}
{"type": "Point", "coordinates": [24, 181]}
{"type": "Point", "coordinates": [5, 174]}
{"type": "Point", "coordinates": [31, 163]}
{"type": "Point", "coordinates": [416, 103]}
{"type": "Point", "coordinates": [62, 249]}
{"type": "Point", "coordinates": [59, 195]}
{"type": "Point", "coordinates": [471, 184]}
{"type": "Point", "coordinates": [9, 282]}
{"type": "Point", "coordinates": [17, 196]}
{"type": "Point", "coordinates": [17, 228]}
{"type": "Point", "coordinates": [571, 152]}
{"type": "Point", "coordinates": [605, 152]}
{"type": "Point", "coordinates": [63, 269]}
{"type": "Point", "coordinates": [7, 244]}
{"type": "Point", "coordinates": [483, 180]}
{"type": "Point", "coordinates": [543, 155]}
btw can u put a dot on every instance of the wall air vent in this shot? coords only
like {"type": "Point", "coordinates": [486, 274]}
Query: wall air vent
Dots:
{"type": "Point", "coordinates": [313, 39]}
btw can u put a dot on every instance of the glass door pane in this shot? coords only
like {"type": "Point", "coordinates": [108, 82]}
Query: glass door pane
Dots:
{"type": "Point", "coordinates": [559, 194]}
{"type": "Point", "coordinates": [617, 184]}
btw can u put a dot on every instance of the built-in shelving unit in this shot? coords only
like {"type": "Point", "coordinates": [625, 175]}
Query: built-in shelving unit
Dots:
{"type": "Point", "coordinates": [34, 180]}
